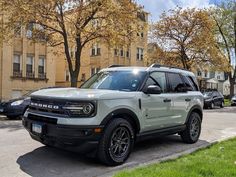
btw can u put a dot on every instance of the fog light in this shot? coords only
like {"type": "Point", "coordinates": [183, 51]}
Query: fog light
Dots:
{"type": "Point", "coordinates": [97, 130]}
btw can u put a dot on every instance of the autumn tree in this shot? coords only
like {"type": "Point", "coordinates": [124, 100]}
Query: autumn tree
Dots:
{"type": "Point", "coordinates": [224, 16]}
{"type": "Point", "coordinates": [73, 24]}
{"type": "Point", "coordinates": [187, 34]}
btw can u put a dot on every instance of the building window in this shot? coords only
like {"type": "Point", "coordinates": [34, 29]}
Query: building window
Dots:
{"type": "Point", "coordinates": [17, 66]}
{"type": "Point", "coordinates": [29, 30]}
{"type": "Point", "coordinates": [127, 54]}
{"type": "Point", "coordinates": [218, 77]}
{"type": "Point", "coordinates": [140, 53]}
{"type": "Point", "coordinates": [83, 77]}
{"type": "Point", "coordinates": [206, 73]}
{"type": "Point", "coordinates": [94, 71]}
{"type": "Point", "coordinates": [116, 52]}
{"type": "Point", "coordinates": [29, 67]}
{"type": "Point", "coordinates": [67, 75]}
{"type": "Point", "coordinates": [41, 68]}
{"type": "Point", "coordinates": [122, 53]}
{"type": "Point", "coordinates": [96, 50]}
{"type": "Point", "coordinates": [142, 34]}
{"type": "Point", "coordinates": [199, 73]}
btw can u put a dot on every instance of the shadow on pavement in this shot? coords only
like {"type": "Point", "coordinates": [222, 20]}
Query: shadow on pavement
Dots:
{"type": "Point", "coordinates": [46, 161]}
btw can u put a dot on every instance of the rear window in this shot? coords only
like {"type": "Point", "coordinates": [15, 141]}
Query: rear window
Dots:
{"type": "Point", "coordinates": [190, 83]}
{"type": "Point", "coordinates": [194, 82]}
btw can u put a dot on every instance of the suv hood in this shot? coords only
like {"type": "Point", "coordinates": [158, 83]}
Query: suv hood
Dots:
{"type": "Point", "coordinates": [82, 94]}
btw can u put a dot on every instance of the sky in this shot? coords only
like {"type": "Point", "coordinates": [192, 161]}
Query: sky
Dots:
{"type": "Point", "coordinates": [157, 7]}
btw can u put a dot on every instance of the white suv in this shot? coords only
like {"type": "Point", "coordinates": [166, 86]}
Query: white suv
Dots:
{"type": "Point", "coordinates": [115, 108]}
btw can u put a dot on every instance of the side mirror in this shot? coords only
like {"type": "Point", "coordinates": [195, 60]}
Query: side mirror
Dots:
{"type": "Point", "coordinates": [153, 89]}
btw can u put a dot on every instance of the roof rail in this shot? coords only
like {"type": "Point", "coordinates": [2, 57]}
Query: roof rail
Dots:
{"type": "Point", "coordinates": [156, 65]}
{"type": "Point", "coordinates": [114, 66]}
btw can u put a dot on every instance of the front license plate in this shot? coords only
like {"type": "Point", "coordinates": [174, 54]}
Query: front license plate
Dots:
{"type": "Point", "coordinates": [36, 128]}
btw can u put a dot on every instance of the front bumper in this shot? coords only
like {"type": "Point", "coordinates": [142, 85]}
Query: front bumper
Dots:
{"type": "Point", "coordinates": [15, 111]}
{"type": "Point", "coordinates": [81, 139]}
{"type": "Point", "coordinates": [207, 104]}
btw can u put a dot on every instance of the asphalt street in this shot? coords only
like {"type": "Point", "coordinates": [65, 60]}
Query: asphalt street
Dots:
{"type": "Point", "coordinates": [22, 156]}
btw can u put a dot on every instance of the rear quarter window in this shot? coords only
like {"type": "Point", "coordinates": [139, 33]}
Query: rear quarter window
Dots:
{"type": "Point", "coordinates": [193, 81]}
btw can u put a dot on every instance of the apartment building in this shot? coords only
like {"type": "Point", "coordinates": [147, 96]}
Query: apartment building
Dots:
{"type": "Point", "coordinates": [24, 65]}
{"type": "Point", "coordinates": [98, 55]}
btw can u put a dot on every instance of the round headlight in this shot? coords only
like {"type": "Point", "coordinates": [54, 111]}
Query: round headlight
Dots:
{"type": "Point", "coordinates": [88, 108]}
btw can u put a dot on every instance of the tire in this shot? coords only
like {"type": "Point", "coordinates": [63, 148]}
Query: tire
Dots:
{"type": "Point", "coordinates": [110, 146]}
{"type": "Point", "coordinates": [222, 104]}
{"type": "Point", "coordinates": [191, 134]}
{"type": "Point", "coordinates": [12, 117]}
{"type": "Point", "coordinates": [212, 105]}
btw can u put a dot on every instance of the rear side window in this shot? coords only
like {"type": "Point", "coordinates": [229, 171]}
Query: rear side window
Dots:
{"type": "Point", "coordinates": [175, 83]}
{"type": "Point", "coordinates": [188, 83]}
{"type": "Point", "coordinates": [194, 82]}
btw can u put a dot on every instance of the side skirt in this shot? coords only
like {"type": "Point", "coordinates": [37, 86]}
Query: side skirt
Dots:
{"type": "Point", "coordinates": [160, 132]}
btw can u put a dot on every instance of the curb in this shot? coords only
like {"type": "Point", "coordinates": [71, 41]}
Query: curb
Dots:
{"type": "Point", "coordinates": [168, 157]}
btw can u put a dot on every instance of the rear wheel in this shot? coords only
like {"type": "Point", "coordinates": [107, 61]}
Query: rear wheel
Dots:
{"type": "Point", "coordinates": [117, 142]}
{"type": "Point", "coordinates": [193, 130]}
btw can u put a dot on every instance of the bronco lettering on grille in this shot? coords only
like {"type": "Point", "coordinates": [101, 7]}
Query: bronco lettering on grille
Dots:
{"type": "Point", "coordinates": [40, 105]}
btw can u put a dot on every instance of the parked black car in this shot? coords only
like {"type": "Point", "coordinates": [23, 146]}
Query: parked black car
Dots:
{"type": "Point", "coordinates": [15, 108]}
{"type": "Point", "coordinates": [233, 101]}
{"type": "Point", "coordinates": [213, 98]}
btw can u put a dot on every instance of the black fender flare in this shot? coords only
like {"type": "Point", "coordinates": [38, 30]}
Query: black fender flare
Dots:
{"type": "Point", "coordinates": [122, 113]}
{"type": "Point", "coordinates": [197, 109]}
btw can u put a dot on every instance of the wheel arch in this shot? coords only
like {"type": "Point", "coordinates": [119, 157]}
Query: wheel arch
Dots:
{"type": "Point", "coordinates": [196, 109]}
{"type": "Point", "coordinates": [126, 114]}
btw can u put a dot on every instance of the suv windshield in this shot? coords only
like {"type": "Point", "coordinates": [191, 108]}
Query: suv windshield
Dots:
{"type": "Point", "coordinates": [116, 80]}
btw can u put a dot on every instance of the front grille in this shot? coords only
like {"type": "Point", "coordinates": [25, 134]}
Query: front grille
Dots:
{"type": "Point", "coordinates": [56, 103]}
{"type": "Point", "coordinates": [42, 119]}
{"type": "Point", "coordinates": [47, 110]}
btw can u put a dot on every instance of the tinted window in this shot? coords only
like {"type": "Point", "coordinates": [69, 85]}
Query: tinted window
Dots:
{"type": "Point", "coordinates": [116, 80]}
{"type": "Point", "coordinates": [175, 82]}
{"type": "Point", "coordinates": [194, 82]}
{"type": "Point", "coordinates": [188, 83]}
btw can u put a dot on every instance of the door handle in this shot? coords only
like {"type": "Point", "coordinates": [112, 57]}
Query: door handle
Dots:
{"type": "Point", "coordinates": [187, 99]}
{"type": "Point", "coordinates": [167, 100]}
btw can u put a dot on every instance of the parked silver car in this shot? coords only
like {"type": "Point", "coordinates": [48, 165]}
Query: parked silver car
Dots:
{"type": "Point", "coordinates": [233, 101]}
{"type": "Point", "coordinates": [115, 108]}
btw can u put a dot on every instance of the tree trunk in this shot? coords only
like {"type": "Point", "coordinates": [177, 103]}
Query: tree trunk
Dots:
{"type": "Point", "coordinates": [232, 82]}
{"type": "Point", "coordinates": [74, 78]}
{"type": "Point", "coordinates": [75, 73]}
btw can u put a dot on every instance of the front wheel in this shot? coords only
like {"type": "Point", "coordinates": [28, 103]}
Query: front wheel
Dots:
{"type": "Point", "coordinates": [222, 104]}
{"type": "Point", "coordinates": [212, 105]}
{"type": "Point", "coordinates": [193, 129]}
{"type": "Point", "coordinates": [117, 142]}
